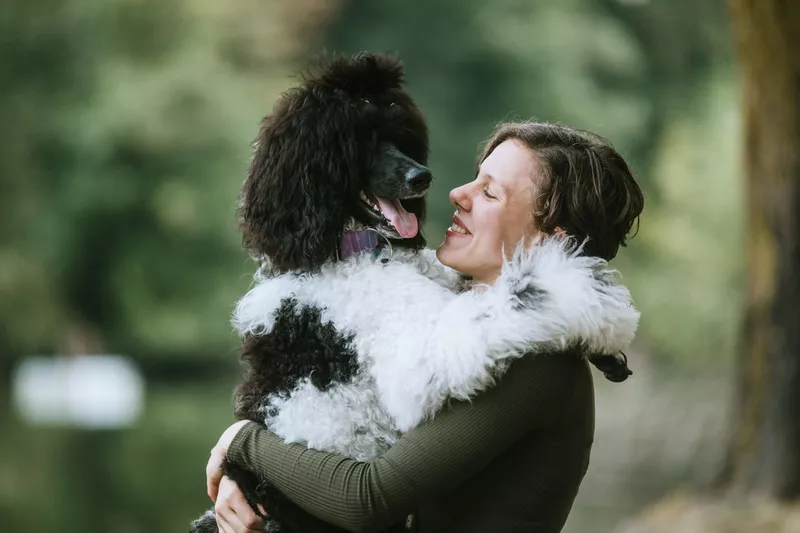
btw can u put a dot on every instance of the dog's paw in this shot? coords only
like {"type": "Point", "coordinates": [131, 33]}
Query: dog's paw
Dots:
{"type": "Point", "coordinates": [205, 524]}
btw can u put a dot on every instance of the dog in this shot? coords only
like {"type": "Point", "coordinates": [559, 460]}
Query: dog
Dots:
{"type": "Point", "coordinates": [353, 333]}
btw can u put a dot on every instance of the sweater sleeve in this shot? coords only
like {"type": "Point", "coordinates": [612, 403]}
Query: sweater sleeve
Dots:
{"type": "Point", "coordinates": [433, 458]}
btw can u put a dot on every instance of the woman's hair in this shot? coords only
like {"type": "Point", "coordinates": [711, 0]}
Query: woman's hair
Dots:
{"type": "Point", "coordinates": [585, 188]}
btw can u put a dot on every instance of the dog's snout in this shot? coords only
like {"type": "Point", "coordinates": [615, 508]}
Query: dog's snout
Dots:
{"type": "Point", "coordinates": [419, 178]}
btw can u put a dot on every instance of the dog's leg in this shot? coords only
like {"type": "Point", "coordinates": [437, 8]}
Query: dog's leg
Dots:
{"type": "Point", "coordinates": [205, 524]}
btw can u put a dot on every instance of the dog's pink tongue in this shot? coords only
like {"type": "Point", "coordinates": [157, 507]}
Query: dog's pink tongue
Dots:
{"type": "Point", "coordinates": [404, 222]}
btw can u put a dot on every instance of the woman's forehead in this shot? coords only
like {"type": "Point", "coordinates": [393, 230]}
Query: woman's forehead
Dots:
{"type": "Point", "coordinates": [512, 165]}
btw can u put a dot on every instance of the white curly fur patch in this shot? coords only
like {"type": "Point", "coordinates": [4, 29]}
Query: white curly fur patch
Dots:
{"type": "Point", "coordinates": [421, 341]}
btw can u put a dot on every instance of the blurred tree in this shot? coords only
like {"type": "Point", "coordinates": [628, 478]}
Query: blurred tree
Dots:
{"type": "Point", "coordinates": [687, 272]}
{"type": "Point", "coordinates": [681, 42]}
{"type": "Point", "coordinates": [764, 455]}
{"type": "Point", "coordinates": [126, 133]}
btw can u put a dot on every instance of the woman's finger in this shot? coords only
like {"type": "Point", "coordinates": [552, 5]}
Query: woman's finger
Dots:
{"type": "Point", "coordinates": [233, 523]}
{"type": "Point", "coordinates": [245, 516]}
{"type": "Point", "coordinates": [232, 506]}
{"type": "Point", "coordinates": [238, 526]}
{"type": "Point", "coordinates": [214, 473]}
{"type": "Point", "coordinates": [223, 525]}
{"type": "Point", "coordinates": [223, 513]}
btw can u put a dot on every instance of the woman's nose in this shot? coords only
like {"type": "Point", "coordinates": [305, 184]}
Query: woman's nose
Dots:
{"type": "Point", "coordinates": [460, 198]}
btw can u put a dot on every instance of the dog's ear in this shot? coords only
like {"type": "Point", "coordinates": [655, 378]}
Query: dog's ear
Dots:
{"type": "Point", "coordinates": [304, 170]}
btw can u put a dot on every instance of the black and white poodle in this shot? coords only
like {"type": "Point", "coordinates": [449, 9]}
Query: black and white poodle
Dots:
{"type": "Point", "coordinates": [353, 333]}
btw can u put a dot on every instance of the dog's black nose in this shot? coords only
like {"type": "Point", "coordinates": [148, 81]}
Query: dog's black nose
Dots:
{"type": "Point", "coordinates": [419, 178]}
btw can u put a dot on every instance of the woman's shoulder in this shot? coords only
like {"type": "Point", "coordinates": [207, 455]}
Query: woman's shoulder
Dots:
{"type": "Point", "coordinates": [536, 390]}
{"type": "Point", "coordinates": [553, 376]}
{"type": "Point", "coordinates": [566, 362]}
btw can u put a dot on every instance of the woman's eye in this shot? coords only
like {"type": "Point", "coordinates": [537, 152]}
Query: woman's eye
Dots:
{"type": "Point", "coordinates": [487, 194]}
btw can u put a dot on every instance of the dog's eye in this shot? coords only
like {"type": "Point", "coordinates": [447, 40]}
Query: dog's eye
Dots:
{"type": "Point", "coordinates": [365, 101]}
{"type": "Point", "coordinates": [391, 105]}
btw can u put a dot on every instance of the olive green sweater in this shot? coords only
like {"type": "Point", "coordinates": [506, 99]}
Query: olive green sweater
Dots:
{"type": "Point", "coordinates": [511, 460]}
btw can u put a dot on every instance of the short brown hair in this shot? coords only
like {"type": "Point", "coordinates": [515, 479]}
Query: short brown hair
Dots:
{"type": "Point", "coordinates": [586, 188]}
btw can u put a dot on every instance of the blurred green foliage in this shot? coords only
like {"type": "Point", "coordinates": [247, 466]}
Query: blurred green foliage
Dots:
{"type": "Point", "coordinates": [126, 134]}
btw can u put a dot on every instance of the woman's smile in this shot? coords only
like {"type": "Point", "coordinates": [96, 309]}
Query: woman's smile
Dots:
{"type": "Point", "coordinates": [457, 229]}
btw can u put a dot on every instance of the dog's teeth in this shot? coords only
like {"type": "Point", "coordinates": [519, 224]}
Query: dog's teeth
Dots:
{"type": "Point", "coordinates": [366, 199]}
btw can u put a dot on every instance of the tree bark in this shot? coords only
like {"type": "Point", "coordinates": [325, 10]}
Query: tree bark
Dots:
{"type": "Point", "coordinates": [764, 454]}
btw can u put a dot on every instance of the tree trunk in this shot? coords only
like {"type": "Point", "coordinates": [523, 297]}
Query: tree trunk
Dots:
{"type": "Point", "coordinates": [764, 454]}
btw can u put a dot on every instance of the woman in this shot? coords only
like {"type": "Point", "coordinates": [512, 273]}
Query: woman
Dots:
{"type": "Point", "coordinates": [511, 459]}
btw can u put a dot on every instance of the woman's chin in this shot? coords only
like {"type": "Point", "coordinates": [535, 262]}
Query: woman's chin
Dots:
{"type": "Point", "coordinates": [442, 253]}
{"type": "Point", "coordinates": [449, 255]}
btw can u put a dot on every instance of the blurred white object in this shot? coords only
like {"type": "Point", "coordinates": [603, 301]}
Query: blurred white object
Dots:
{"type": "Point", "coordinates": [87, 391]}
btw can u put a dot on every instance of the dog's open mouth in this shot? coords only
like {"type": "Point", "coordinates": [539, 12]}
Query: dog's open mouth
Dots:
{"type": "Point", "coordinates": [390, 216]}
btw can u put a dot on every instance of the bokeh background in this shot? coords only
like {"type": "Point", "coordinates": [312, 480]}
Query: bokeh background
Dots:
{"type": "Point", "coordinates": [125, 134]}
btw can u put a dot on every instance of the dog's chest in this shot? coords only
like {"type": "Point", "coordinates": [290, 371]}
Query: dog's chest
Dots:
{"type": "Point", "coordinates": [375, 305]}
{"type": "Point", "coordinates": [303, 345]}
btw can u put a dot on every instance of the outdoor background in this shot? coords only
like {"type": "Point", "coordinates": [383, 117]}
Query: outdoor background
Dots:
{"type": "Point", "coordinates": [125, 131]}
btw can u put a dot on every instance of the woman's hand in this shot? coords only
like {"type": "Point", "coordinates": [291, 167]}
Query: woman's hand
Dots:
{"type": "Point", "coordinates": [218, 453]}
{"type": "Point", "coordinates": [234, 514]}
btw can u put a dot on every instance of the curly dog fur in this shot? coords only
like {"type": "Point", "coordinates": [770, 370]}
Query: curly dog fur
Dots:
{"type": "Point", "coordinates": [317, 151]}
{"type": "Point", "coordinates": [323, 144]}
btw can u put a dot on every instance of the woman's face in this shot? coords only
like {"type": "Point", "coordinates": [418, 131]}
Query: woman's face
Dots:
{"type": "Point", "coordinates": [493, 213]}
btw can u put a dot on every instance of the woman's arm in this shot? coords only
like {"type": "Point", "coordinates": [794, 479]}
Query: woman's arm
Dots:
{"type": "Point", "coordinates": [430, 460]}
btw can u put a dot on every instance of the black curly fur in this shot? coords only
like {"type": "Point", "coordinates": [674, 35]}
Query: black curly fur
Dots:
{"type": "Point", "coordinates": [314, 154]}
{"type": "Point", "coordinates": [319, 148]}
{"type": "Point", "coordinates": [300, 345]}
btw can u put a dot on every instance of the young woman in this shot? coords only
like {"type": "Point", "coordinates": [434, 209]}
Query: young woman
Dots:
{"type": "Point", "coordinates": [512, 458]}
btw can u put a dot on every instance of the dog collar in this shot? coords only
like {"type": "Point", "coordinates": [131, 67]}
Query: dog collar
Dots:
{"type": "Point", "coordinates": [358, 241]}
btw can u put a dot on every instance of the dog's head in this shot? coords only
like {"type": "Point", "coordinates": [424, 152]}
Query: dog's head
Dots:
{"type": "Point", "coordinates": [348, 143]}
